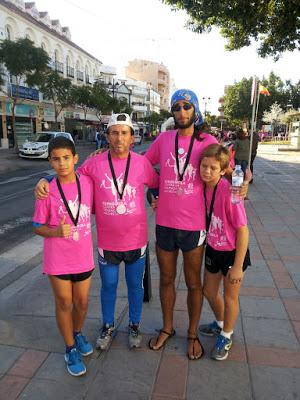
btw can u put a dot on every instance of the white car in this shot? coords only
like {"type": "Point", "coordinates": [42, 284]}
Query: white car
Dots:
{"type": "Point", "coordinates": [38, 148]}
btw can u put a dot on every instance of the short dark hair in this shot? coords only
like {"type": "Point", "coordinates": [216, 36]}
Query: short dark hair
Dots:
{"type": "Point", "coordinates": [61, 142]}
{"type": "Point", "coordinates": [219, 152]}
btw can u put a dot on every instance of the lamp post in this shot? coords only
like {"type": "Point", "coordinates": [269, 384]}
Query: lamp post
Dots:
{"type": "Point", "coordinates": [113, 87]}
{"type": "Point", "coordinates": [206, 100]}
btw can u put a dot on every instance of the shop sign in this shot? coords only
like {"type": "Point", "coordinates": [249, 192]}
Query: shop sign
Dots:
{"type": "Point", "coordinates": [25, 92]}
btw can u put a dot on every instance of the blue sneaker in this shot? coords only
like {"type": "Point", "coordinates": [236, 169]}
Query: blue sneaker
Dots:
{"type": "Point", "coordinates": [83, 346]}
{"type": "Point", "coordinates": [75, 366]}
{"type": "Point", "coordinates": [211, 329]}
{"type": "Point", "coordinates": [221, 349]}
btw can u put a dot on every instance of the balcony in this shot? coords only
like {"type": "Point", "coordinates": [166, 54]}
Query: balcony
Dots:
{"type": "Point", "coordinates": [79, 75]}
{"type": "Point", "coordinates": [59, 67]}
{"type": "Point", "coordinates": [70, 72]}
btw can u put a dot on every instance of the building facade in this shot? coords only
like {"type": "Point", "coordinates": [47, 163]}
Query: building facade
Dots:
{"type": "Point", "coordinates": [19, 19]}
{"type": "Point", "coordinates": [154, 73]}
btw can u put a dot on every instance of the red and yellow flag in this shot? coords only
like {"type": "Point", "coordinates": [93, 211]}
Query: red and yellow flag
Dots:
{"type": "Point", "coordinates": [263, 90]}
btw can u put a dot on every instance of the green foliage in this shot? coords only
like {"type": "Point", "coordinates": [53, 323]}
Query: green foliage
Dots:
{"type": "Point", "coordinates": [22, 60]}
{"type": "Point", "coordinates": [57, 89]}
{"type": "Point", "coordinates": [274, 24]}
{"type": "Point", "coordinates": [21, 57]}
{"type": "Point", "coordinates": [237, 106]}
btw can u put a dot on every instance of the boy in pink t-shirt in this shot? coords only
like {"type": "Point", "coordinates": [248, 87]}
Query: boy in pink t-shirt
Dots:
{"type": "Point", "coordinates": [64, 220]}
{"type": "Point", "coordinates": [227, 253]}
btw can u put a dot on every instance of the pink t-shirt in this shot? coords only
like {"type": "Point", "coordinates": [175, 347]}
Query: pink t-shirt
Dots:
{"type": "Point", "coordinates": [185, 211]}
{"type": "Point", "coordinates": [226, 218]}
{"type": "Point", "coordinates": [74, 254]}
{"type": "Point", "coordinates": [127, 231]}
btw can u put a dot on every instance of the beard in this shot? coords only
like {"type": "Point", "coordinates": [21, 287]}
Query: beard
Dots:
{"type": "Point", "coordinates": [189, 123]}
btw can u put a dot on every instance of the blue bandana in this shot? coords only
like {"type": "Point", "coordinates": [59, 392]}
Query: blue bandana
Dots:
{"type": "Point", "coordinates": [190, 97]}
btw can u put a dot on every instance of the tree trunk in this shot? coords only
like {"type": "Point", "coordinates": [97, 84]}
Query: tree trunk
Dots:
{"type": "Point", "coordinates": [16, 147]}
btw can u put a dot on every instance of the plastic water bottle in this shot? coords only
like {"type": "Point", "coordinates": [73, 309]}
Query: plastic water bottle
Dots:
{"type": "Point", "coordinates": [237, 181]}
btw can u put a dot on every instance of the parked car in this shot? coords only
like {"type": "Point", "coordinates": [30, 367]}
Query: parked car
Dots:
{"type": "Point", "coordinates": [38, 147]}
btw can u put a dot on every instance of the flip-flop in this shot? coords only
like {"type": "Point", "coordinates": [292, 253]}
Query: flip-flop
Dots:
{"type": "Point", "coordinates": [195, 339]}
{"type": "Point", "coordinates": [169, 335]}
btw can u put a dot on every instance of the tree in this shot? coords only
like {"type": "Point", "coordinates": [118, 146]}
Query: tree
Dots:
{"type": "Point", "coordinates": [274, 24]}
{"type": "Point", "coordinates": [82, 96]}
{"type": "Point", "coordinates": [274, 116]}
{"type": "Point", "coordinates": [57, 89]}
{"type": "Point", "coordinates": [25, 62]}
{"type": "Point", "coordinates": [102, 100]}
{"type": "Point", "coordinates": [237, 102]}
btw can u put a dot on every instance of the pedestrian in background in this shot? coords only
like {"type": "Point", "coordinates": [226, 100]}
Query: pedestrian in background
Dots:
{"type": "Point", "coordinates": [241, 148]}
{"type": "Point", "coordinates": [64, 220]}
{"type": "Point", "coordinates": [253, 151]}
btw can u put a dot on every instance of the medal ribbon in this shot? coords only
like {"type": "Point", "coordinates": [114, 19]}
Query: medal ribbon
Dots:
{"type": "Point", "coordinates": [208, 216]}
{"type": "Point", "coordinates": [74, 220]}
{"type": "Point", "coordinates": [114, 175]}
{"type": "Point", "coordinates": [181, 174]}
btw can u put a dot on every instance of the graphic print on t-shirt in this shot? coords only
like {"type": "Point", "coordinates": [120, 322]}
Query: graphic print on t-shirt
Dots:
{"type": "Point", "coordinates": [83, 220]}
{"type": "Point", "coordinates": [128, 198]}
{"type": "Point", "coordinates": [216, 231]}
{"type": "Point", "coordinates": [172, 186]}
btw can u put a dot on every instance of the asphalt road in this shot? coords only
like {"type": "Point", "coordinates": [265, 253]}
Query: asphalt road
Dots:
{"type": "Point", "coordinates": [17, 199]}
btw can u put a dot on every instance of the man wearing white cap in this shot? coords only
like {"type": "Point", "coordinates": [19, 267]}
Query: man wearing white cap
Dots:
{"type": "Point", "coordinates": [119, 177]}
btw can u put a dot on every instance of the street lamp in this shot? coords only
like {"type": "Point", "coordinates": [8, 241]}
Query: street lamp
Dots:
{"type": "Point", "coordinates": [206, 101]}
{"type": "Point", "coordinates": [113, 87]}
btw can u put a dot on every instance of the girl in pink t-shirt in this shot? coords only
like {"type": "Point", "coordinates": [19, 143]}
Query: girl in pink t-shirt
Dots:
{"type": "Point", "coordinates": [64, 220]}
{"type": "Point", "coordinates": [226, 255]}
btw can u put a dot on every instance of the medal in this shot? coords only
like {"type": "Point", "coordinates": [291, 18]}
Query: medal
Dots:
{"type": "Point", "coordinates": [180, 151]}
{"type": "Point", "coordinates": [121, 209]}
{"type": "Point", "coordinates": [76, 236]}
{"type": "Point", "coordinates": [74, 219]}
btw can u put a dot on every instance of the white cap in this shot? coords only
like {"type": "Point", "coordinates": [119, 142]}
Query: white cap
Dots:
{"type": "Point", "coordinates": [120, 119]}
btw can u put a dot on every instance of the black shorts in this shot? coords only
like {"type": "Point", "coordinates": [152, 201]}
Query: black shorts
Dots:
{"type": "Point", "coordinates": [216, 260]}
{"type": "Point", "coordinates": [75, 277]}
{"type": "Point", "coordinates": [170, 239]}
{"type": "Point", "coordinates": [129, 257]}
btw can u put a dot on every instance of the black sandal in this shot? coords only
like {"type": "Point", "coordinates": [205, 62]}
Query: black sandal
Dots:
{"type": "Point", "coordinates": [169, 335]}
{"type": "Point", "coordinates": [195, 339]}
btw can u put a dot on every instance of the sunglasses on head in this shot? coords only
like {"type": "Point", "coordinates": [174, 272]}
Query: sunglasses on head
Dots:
{"type": "Point", "coordinates": [185, 106]}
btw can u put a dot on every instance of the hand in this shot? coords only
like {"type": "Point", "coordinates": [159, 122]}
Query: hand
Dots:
{"type": "Point", "coordinates": [243, 190]}
{"type": "Point", "coordinates": [63, 230]}
{"type": "Point", "coordinates": [41, 190]}
{"type": "Point", "coordinates": [94, 153]}
{"type": "Point", "coordinates": [235, 275]}
{"type": "Point", "coordinates": [154, 203]}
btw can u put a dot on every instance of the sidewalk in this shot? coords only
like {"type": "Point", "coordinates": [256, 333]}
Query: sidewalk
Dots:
{"type": "Point", "coordinates": [264, 363]}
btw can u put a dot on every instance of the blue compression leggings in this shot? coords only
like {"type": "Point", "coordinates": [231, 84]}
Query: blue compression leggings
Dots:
{"type": "Point", "coordinates": [134, 274]}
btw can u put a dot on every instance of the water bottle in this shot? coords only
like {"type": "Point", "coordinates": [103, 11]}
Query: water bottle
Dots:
{"type": "Point", "coordinates": [237, 181]}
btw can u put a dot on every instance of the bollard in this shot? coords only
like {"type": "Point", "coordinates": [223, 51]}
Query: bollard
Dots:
{"type": "Point", "coordinates": [147, 278]}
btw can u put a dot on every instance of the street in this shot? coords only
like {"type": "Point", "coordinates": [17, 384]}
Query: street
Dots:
{"type": "Point", "coordinates": [16, 195]}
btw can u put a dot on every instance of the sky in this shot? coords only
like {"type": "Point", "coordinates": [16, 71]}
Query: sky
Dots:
{"type": "Point", "coordinates": [116, 31]}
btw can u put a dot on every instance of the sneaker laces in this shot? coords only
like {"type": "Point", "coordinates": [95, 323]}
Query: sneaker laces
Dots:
{"type": "Point", "coordinates": [106, 330]}
{"type": "Point", "coordinates": [221, 341]}
{"type": "Point", "coordinates": [134, 330]}
{"type": "Point", "coordinates": [74, 357]}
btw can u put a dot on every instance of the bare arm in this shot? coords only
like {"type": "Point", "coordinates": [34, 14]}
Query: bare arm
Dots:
{"type": "Point", "coordinates": [41, 190]}
{"type": "Point", "coordinates": [235, 274]}
{"type": "Point", "coordinates": [62, 230]}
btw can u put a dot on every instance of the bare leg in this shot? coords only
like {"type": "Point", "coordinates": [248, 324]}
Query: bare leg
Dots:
{"type": "Point", "coordinates": [167, 266]}
{"type": "Point", "coordinates": [63, 293]}
{"type": "Point", "coordinates": [231, 296]}
{"type": "Point", "coordinates": [80, 300]}
{"type": "Point", "coordinates": [192, 271]}
{"type": "Point", "coordinates": [211, 292]}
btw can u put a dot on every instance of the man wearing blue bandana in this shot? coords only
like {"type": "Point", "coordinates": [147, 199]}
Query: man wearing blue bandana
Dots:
{"type": "Point", "coordinates": [180, 215]}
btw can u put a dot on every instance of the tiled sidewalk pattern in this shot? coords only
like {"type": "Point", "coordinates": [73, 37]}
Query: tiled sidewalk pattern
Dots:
{"type": "Point", "coordinates": [264, 362]}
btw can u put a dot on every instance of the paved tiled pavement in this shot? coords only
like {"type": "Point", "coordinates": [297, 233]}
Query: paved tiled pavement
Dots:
{"type": "Point", "coordinates": [264, 362]}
